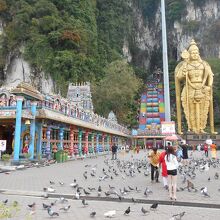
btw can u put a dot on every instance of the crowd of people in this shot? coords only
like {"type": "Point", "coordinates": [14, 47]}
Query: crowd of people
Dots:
{"type": "Point", "coordinates": [168, 161]}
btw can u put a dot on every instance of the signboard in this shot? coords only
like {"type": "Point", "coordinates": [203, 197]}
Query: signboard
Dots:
{"type": "Point", "coordinates": [7, 113]}
{"type": "Point", "coordinates": [168, 128]}
{"type": "Point", "coordinates": [2, 145]}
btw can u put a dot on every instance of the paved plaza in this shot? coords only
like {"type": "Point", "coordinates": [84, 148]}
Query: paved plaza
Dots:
{"type": "Point", "coordinates": [26, 186]}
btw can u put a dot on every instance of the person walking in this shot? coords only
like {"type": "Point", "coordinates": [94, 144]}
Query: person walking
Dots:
{"type": "Point", "coordinates": [154, 161]}
{"type": "Point", "coordinates": [172, 165]}
{"type": "Point", "coordinates": [164, 169]}
{"type": "Point", "coordinates": [213, 150]}
{"type": "Point", "coordinates": [206, 150]}
{"type": "Point", "coordinates": [114, 152]}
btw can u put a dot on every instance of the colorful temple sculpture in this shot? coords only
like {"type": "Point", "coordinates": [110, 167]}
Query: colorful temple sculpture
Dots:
{"type": "Point", "coordinates": [42, 124]}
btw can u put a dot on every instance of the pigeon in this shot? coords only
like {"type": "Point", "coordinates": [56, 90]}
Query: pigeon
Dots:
{"type": "Point", "coordinates": [154, 206]}
{"type": "Point", "coordinates": [137, 190]}
{"type": "Point", "coordinates": [74, 185]}
{"type": "Point", "coordinates": [111, 187]}
{"type": "Point", "coordinates": [76, 195]}
{"type": "Point", "coordinates": [127, 211]}
{"type": "Point", "coordinates": [110, 214]}
{"type": "Point", "coordinates": [86, 193]}
{"type": "Point", "coordinates": [204, 191]}
{"type": "Point", "coordinates": [85, 175]}
{"type": "Point", "coordinates": [91, 188]}
{"type": "Point", "coordinates": [101, 178]}
{"type": "Point", "coordinates": [5, 201]}
{"type": "Point", "coordinates": [209, 179]}
{"type": "Point", "coordinates": [92, 214]}
{"type": "Point", "coordinates": [52, 183]}
{"type": "Point", "coordinates": [216, 176]}
{"type": "Point", "coordinates": [99, 189]}
{"type": "Point", "coordinates": [53, 203]}
{"type": "Point", "coordinates": [178, 216]}
{"type": "Point", "coordinates": [133, 200]}
{"type": "Point", "coordinates": [65, 208]}
{"type": "Point", "coordinates": [52, 213]}
{"type": "Point", "coordinates": [84, 202]}
{"type": "Point", "coordinates": [62, 200]}
{"type": "Point", "coordinates": [107, 193]}
{"type": "Point", "coordinates": [61, 183]}
{"type": "Point", "coordinates": [144, 211]}
{"type": "Point", "coordinates": [45, 206]}
{"type": "Point", "coordinates": [46, 196]}
{"type": "Point", "coordinates": [50, 189]}
{"type": "Point", "coordinates": [32, 206]}
{"type": "Point", "coordinates": [126, 190]}
{"type": "Point", "coordinates": [130, 188]}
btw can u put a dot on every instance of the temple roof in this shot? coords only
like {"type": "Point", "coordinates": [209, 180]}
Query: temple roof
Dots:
{"type": "Point", "coordinates": [25, 89]}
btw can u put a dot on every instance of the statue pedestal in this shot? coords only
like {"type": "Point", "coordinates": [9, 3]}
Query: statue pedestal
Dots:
{"type": "Point", "coordinates": [195, 139]}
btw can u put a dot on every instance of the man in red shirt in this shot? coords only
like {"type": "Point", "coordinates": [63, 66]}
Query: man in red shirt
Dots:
{"type": "Point", "coordinates": [206, 150]}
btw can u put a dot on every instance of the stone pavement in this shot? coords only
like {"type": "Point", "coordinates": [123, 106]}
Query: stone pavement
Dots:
{"type": "Point", "coordinates": [32, 181]}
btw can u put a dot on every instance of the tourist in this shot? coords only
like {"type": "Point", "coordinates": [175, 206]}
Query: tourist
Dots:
{"type": "Point", "coordinates": [178, 152]}
{"type": "Point", "coordinates": [164, 168]}
{"type": "Point", "coordinates": [114, 151]}
{"type": "Point", "coordinates": [154, 161]}
{"type": "Point", "coordinates": [185, 154]}
{"type": "Point", "coordinates": [172, 165]}
{"type": "Point", "coordinates": [213, 150]}
{"type": "Point", "coordinates": [138, 149]}
{"type": "Point", "coordinates": [206, 150]}
{"type": "Point", "coordinates": [199, 147]}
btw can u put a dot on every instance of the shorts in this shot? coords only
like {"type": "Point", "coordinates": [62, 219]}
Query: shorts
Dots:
{"type": "Point", "coordinates": [172, 172]}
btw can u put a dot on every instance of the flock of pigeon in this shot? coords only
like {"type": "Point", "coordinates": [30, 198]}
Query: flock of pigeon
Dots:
{"type": "Point", "coordinates": [124, 170]}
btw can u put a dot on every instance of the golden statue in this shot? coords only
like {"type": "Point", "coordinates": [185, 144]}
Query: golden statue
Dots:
{"type": "Point", "coordinates": [197, 94]}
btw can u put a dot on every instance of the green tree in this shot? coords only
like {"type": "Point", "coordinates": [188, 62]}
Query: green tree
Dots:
{"type": "Point", "coordinates": [116, 91]}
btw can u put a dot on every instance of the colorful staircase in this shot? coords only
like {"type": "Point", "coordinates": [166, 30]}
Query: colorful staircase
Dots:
{"type": "Point", "coordinates": [152, 111]}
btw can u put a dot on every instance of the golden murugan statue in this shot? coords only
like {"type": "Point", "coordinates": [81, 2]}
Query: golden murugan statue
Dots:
{"type": "Point", "coordinates": [197, 94]}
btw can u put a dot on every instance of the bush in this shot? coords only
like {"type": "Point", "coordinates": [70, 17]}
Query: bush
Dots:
{"type": "Point", "coordinates": [6, 157]}
{"type": "Point", "coordinates": [27, 155]}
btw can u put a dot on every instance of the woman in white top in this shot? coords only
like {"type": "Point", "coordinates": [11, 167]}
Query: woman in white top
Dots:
{"type": "Point", "coordinates": [172, 165]}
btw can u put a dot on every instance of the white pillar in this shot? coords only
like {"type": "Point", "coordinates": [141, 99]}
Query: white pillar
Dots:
{"type": "Point", "coordinates": [165, 64]}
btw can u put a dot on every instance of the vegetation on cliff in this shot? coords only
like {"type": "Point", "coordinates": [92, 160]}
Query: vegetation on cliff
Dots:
{"type": "Point", "coordinates": [81, 40]}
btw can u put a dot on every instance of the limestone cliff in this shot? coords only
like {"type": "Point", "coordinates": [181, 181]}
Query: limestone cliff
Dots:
{"type": "Point", "coordinates": [142, 46]}
{"type": "Point", "coordinates": [198, 21]}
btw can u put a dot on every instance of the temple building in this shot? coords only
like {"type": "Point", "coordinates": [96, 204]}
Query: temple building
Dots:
{"type": "Point", "coordinates": [41, 124]}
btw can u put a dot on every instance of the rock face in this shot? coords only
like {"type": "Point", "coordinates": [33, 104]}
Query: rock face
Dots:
{"type": "Point", "coordinates": [18, 70]}
{"type": "Point", "coordinates": [143, 46]}
{"type": "Point", "coordinates": [200, 22]}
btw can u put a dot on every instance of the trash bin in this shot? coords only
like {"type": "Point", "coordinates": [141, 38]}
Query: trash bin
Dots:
{"type": "Point", "coordinates": [59, 156]}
